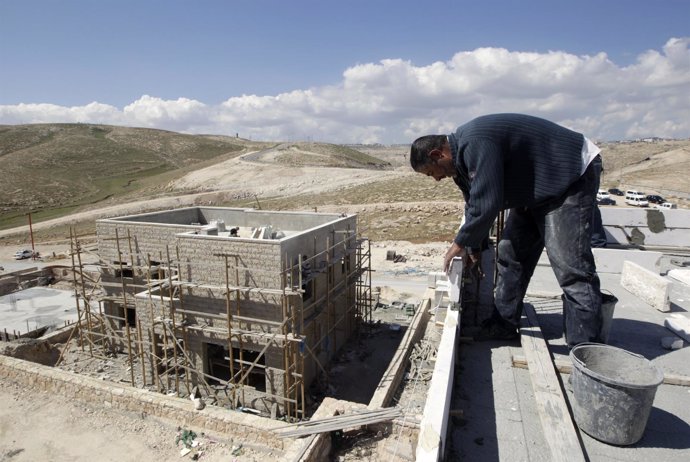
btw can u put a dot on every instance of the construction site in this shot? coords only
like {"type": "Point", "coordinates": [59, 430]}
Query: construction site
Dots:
{"type": "Point", "coordinates": [273, 331]}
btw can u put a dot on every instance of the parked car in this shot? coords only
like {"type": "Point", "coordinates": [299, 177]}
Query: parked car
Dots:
{"type": "Point", "coordinates": [654, 199]}
{"type": "Point", "coordinates": [616, 192]}
{"type": "Point", "coordinates": [22, 254]}
{"type": "Point", "coordinates": [606, 201]}
{"type": "Point", "coordinates": [666, 205]}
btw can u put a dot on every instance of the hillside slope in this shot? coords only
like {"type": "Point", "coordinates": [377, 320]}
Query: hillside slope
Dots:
{"type": "Point", "coordinates": [55, 169]}
{"type": "Point", "coordinates": [58, 166]}
{"type": "Point", "coordinates": [224, 171]}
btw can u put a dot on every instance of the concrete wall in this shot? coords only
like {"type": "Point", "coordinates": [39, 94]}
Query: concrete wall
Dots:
{"type": "Point", "coordinates": [647, 226]}
{"type": "Point", "coordinates": [24, 279]}
{"type": "Point", "coordinates": [183, 216]}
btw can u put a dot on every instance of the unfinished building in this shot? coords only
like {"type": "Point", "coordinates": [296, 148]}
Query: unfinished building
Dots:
{"type": "Point", "coordinates": [244, 307]}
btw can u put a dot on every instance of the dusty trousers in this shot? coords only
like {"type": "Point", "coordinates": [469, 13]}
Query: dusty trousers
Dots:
{"type": "Point", "coordinates": [564, 227]}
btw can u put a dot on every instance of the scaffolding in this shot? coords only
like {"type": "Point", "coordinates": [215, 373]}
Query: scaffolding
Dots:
{"type": "Point", "coordinates": [153, 288]}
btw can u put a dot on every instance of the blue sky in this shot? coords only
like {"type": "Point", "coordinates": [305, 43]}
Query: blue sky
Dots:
{"type": "Point", "coordinates": [346, 71]}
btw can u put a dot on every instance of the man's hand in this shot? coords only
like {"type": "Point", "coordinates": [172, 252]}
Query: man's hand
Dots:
{"type": "Point", "coordinates": [456, 250]}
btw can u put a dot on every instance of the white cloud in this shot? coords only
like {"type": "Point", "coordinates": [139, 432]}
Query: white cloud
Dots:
{"type": "Point", "coordinates": [51, 113]}
{"type": "Point", "coordinates": [181, 114]}
{"type": "Point", "coordinates": [394, 101]}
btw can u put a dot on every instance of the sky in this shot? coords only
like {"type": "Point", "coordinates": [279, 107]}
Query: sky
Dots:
{"type": "Point", "coordinates": [347, 71]}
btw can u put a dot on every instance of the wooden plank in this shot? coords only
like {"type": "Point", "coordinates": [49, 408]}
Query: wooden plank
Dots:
{"type": "Point", "coordinates": [560, 432]}
{"type": "Point", "coordinates": [566, 367]}
{"type": "Point", "coordinates": [339, 422]}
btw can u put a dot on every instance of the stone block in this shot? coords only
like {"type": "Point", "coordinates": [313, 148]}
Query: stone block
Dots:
{"type": "Point", "coordinates": [679, 325]}
{"type": "Point", "coordinates": [680, 275]}
{"type": "Point", "coordinates": [647, 285]}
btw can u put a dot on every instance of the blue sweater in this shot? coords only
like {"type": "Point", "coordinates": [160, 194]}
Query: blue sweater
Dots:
{"type": "Point", "coordinates": [510, 160]}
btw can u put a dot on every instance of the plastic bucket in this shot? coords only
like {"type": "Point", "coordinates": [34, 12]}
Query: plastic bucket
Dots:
{"type": "Point", "coordinates": [608, 304]}
{"type": "Point", "coordinates": [613, 392]}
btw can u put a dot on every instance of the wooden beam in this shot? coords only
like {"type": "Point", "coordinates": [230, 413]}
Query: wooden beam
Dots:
{"type": "Point", "coordinates": [566, 367]}
{"type": "Point", "coordinates": [339, 422]}
{"type": "Point", "coordinates": [560, 432]}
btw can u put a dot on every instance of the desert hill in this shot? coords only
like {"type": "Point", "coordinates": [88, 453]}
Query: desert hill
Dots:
{"type": "Point", "coordinates": [74, 174]}
{"type": "Point", "coordinates": [54, 169]}
{"type": "Point", "coordinates": [656, 165]}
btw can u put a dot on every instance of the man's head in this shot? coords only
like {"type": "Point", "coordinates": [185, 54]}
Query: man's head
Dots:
{"type": "Point", "coordinates": [430, 155]}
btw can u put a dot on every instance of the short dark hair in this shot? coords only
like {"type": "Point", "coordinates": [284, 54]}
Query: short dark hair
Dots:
{"type": "Point", "coordinates": [422, 146]}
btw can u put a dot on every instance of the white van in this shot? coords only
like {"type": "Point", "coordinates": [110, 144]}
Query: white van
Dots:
{"type": "Point", "coordinates": [602, 194]}
{"type": "Point", "coordinates": [636, 198]}
{"type": "Point", "coordinates": [632, 192]}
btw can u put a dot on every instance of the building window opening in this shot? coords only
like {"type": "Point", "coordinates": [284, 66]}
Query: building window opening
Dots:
{"type": "Point", "coordinates": [123, 270]}
{"type": "Point", "coordinates": [308, 288]}
{"type": "Point", "coordinates": [219, 366]}
{"type": "Point", "coordinates": [155, 271]}
{"type": "Point", "coordinates": [257, 376]}
{"type": "Point", "coordinates": [131, 316]}
{"type": "Point", "coordinates": [119, 314]}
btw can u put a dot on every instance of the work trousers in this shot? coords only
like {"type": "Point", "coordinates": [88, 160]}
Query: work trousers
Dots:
{"type": "Point", "coordinates": [564, 227]}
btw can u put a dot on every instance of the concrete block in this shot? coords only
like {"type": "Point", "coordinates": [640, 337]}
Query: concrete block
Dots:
{"type": "Point", "coordinates": [680, 275]}
{"type": "Point", "coordinates": [647, 285]}
{"type": "Point", "coordinates": [455, 279]}
{"type": "Point", "coordinates": [434, 277]}
{"type": "Point", "coordinates": [441, 291]}
{"type": "Point", "coordinates": [679, 325]}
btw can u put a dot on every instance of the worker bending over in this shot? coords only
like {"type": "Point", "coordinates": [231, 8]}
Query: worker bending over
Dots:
{"type": "Point", "coordinates": [547, 176]}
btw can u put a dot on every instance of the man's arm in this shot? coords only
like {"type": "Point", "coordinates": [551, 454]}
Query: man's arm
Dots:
{"type": "Point", "coordinates": [456, 250]}
{"type": "Point", "coordinates": [485, 166]}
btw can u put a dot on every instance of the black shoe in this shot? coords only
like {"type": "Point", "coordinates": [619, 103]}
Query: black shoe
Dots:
{"type": "Point", "coordinates": [493, 329]}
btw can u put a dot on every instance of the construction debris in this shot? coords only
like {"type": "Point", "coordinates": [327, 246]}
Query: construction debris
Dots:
{"type": "Point", "coordinates": [422, 361]}
{"type": "Point", "coordinates": [339, 422]}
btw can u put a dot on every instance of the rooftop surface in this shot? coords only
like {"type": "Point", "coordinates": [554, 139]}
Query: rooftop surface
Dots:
{"type": "Point", "coordinates": [500, 419]}
{"type": "Point", "coordinates": [219, 221]}
{"type": "Point", "coordinates": [37, 307]}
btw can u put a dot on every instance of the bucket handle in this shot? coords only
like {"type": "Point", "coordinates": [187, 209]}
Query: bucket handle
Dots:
{"type": "Point", "coordinates": [603, 344]}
